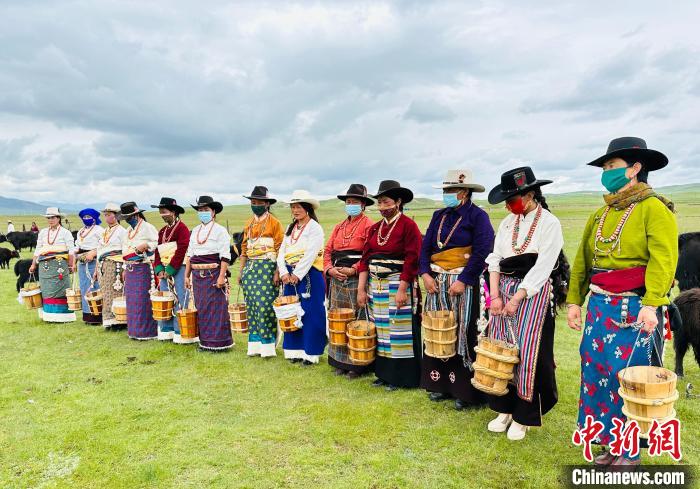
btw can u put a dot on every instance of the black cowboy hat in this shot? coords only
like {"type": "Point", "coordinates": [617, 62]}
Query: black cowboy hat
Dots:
{"type": "Point", "coordinates": [358, 191]}
{"type": "Point", "coordinates": [634, 148]}
{"type": "Point", "coordinates": [170, 204]}
{"type": "Point", "coordinates": [207, 201]}
{"type": "Point", "coordinates": [515, 182]}
{"type": "Point", "coordinates": [128, 209]}
{"type": "Point", "coordinates": [394, 190]}
{"type": "Point", "coordinates": [260, 193]}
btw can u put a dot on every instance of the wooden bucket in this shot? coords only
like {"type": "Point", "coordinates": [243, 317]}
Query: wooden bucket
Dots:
{"type": "Point", "coordinates": [494, 365]}
{"type": "Point", "coordinates": [94, 300]}
{"type": "Point", "coordinates": [238, 314]}
{"type": "Point", "coordinates": [162, 304]}
{"type": "Point", "coordinates": [119, 310]}
{"type": "Point", "coordinates": [649, 393]}
{"type": "Point", "coordinates": [338, 320]}
{"type": "Point", "coordinates": [74, 299]}
{"type": "Point", "coordinates": [31, 295]}
{"type": "Point", "coordinates": [187, 320]}
{"type": "Point", "coordinates": [362, 341]}
{"type": "Point", "coordinates": [287, 324]}
{"type": "Point", "coordinates": [439, 334]}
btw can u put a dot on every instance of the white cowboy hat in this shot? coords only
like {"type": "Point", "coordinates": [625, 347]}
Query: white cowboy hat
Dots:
{"type": "Point", "coordinates": [53, 212]}
{"type": "Point", "coordinates": [460, 179]}
{"type": "Point", "coordinates": [112, 207]}
{"type": "Point", "coordinates": [299, 196]}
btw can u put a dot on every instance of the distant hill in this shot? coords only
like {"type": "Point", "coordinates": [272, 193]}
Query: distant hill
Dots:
{"type": "Point", "coordinates": [18, 207]}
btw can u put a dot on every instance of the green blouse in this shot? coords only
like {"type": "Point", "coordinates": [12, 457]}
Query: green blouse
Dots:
{"type": "Point", "coordinates": [649, 238]}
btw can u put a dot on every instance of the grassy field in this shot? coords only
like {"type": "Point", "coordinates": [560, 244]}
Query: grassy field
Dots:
{"type": "Point", "coordinates": [82, 407]}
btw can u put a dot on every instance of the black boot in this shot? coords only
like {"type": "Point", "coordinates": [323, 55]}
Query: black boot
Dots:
{"type": "Point", "coordinates": [438, 396]}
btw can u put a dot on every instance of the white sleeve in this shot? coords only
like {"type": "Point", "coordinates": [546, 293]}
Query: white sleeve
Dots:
{"type": "Point", "coordinates": [40, 242]}
{"type": "Point", "coordinates": [551, 241]}
{"type": "Point", "coordinates": [494, 259]}
{"type": "Point", "coordinates": [190, 248]}
{"type": "Point", "coordinates": [224, 243]}
{"type": "Point", "coordinates": [151, 238]}
{"type": "Point", "coordinates": [70, 242]}
{"type": "Point", "coordinates": [281, 264]}
{"type": "Point", "coordinates": [314, 244]}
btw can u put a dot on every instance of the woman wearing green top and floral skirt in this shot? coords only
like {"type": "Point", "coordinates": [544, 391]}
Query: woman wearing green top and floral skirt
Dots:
{"type": "Point", "coordinates": [627, 258]}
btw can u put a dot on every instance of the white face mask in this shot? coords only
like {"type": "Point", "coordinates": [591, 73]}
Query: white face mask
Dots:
{"type": "Point", "coordinates": [205, 217]}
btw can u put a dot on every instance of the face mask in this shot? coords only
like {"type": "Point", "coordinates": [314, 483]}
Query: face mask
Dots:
{"type": "Point", "coordinates": [516, 206]}
{"type": "Point", "coordinates": [132, 221]}
{"type": "Point", "coordinates": [388, 212]}
{"type": "Point", "coordinates": [204, 217]}
{"type": "Point", "coordinates": [353, 210]}
{"type": "Point", "coordinates": [450, 200]}
{"type": "Point", "coordinates": [88, 221]}
{"type": "Point", "coordinates": [169, 219]}
{"type": "Point", "coordinates": [613, 180]}
{"type": "Point", "coordinates": [258, 210]}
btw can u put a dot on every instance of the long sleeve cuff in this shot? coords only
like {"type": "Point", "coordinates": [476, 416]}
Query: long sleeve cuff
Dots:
{"type": "Point", "coordinates": [170, 270]}
{"type": "Point", "coordinates": [159, 268]}
{"type": "Point", "coordinates": [655, 301]}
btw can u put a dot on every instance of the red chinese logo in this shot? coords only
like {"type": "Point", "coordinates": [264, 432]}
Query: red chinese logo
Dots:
{"type": "Point", "coordinates": [665, 438]}
{"type": "Point", "coordinates": [625, 439]}
{"type": "Point", "coordinates": [587, 435]}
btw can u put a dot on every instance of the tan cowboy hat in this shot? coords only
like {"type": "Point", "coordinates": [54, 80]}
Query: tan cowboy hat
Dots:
{"type": "Point", "coordinates": [112, 207]}
{"type": "Point", "coordinates": [299, 196]}
{"type": "Point", "coordinates": [53, 212]}
{"type": "Point", "coordinates": [460, 179]}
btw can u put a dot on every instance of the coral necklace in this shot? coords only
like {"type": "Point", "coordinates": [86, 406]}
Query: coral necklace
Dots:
{"type": "Point", "coordinates": [440, 244]}
{"type": "Point", "coordinates": [166, 236]}
{"type": "Point", "coordinates": [614, 238]}
{"type": "Point", "coordinates": [108, 233]}
{"type": "Point", "coordinates": [199, 240]}
{"type": "Point", "coordinates": [48, 237]}
{"type": "Point", "coordinates": [85, 232]}
{"type": "Point", "coordinates": [519, 250]}
{"type": "Point", "coordinates": [294, 238]}
{"type": "Point", "coordinates": [348, 237]}
{"type": "Point", "coordinates": [135, 231]}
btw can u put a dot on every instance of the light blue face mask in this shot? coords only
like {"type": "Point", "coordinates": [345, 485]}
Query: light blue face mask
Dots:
{"type": "Point", "coordinates": [353, 210]}
{"type": "Point", "coordinates": [450, 200]}
{"type": "Point", "coordinates": [204, 216]}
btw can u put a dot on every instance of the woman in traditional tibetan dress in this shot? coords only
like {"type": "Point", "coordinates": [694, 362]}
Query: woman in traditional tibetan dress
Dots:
{"type": "Point", "coordinates": [110, 263]}
{"type": "Point", "coordinates": [527, 277]}
{"type": "Point", "coordinates": [86, 245]}
{"type": "Point", "coordinates": [627, 259]}
{"type": "Point", "coordinates": [173, 240]}
{"type": "Point", "coordinates": [137, 253]}
{"type": "Point", "coordinates": [259, 277]}
{"type": "Point", "coordinates": [452, 261]}
{"type": "Point", "coordinates": [55, 259]}
{"type": "Point", "coordinates": [340, 259]}
{"type": "Point", "coordinates": [300, 265]}
{"type": "Point", "coordinates": [388, 270]}
{"type": "Point", "coordinates": [206, 275]}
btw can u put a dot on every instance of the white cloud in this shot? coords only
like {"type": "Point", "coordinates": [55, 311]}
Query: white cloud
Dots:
{"type": "Point", "coordinates": [127, 100]}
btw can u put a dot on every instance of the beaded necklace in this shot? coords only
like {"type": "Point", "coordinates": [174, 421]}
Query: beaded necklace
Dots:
{"type": "Point", "coordinates": [441, 244]}
{"type": "Point", "coordinates": [206, 238]}
{"type": "Point", "coordinates": [83, 234]}
{"type": "Point", "coordinates": [614, 238]}
{"type": "Point", "coordinates": [383, 240]}
{"type": "Point", "coordinates": [108, 233]}
{"type": "Point", "coordinates": [48, 237]}
{"type": "Point", "coordinates": [519, 250]}
{"type": "Point", "coordinates": [166, 236]}
{"type": "Point", "coordinates": [292, 238]}
{"type": "Point", "coordinates": [348, 237]}
{"type": "Point", "coordinates": [262, 229]}
{"type": "Point", "coordinates": [135, 231]}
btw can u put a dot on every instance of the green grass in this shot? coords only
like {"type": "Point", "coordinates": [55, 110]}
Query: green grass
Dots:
{"type": "Point", "coordinates": [82, 407]}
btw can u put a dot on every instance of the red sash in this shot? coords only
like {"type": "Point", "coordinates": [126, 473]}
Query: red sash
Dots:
{"type": "Point", "coordinates": [618, 281]}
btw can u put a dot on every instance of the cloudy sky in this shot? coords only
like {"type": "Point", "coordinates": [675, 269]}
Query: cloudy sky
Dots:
{"type": "Point", "coordinates": [121, 100]}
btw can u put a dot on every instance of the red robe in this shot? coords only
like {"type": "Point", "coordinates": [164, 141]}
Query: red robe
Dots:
{"type": "Point", "coordinates": [404, 243]}
{"type": "Point", "coordinates": [180, 235]}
